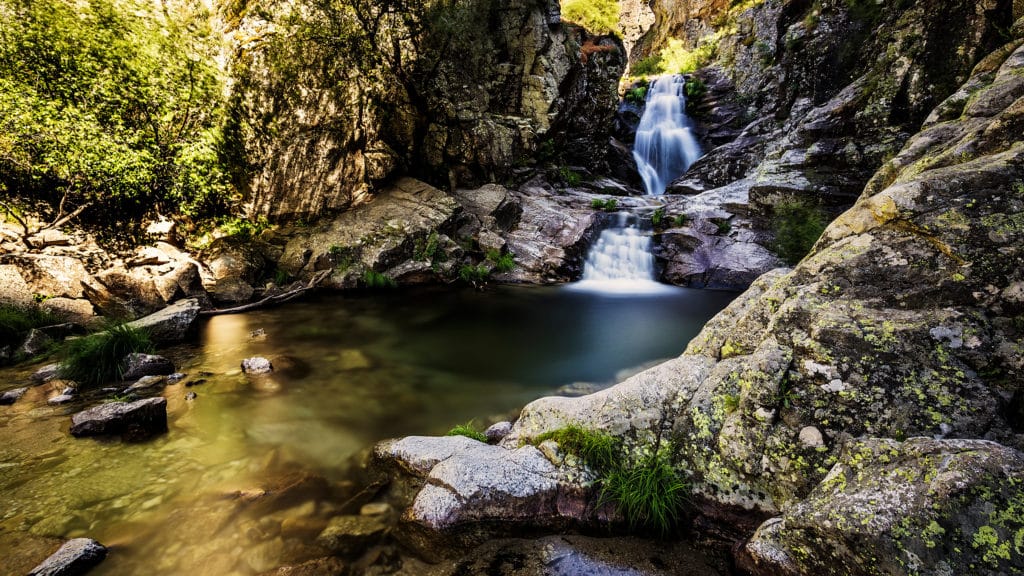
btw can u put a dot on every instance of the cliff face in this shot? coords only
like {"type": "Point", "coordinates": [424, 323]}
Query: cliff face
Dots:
{"type": "Point", "coordinates": [328, 102]}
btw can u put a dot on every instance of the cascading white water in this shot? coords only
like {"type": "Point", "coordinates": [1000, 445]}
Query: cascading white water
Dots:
{"type": "Point", "coordinates": [620, 261]}
{"type": "Point", "coordinates": [665, 146]}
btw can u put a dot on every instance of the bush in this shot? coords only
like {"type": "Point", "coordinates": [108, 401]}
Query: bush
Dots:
{"type": "Point", "coordinates": [374, 280]}
{"type": "Point", "coordinates": [608, 204]}
{"type": "Point", "coordinates": [636, 95]}
{"type": "Point", "coordinates": [98, 358]}
{"type": "Point", "coordinates": [676, 59]}
{"type": "Point", "coordinates": [723, 225]}
{"type": "Point", "coordinates": [797, 226]}
{"type": "Point", "coordinates": [658, 218]}
{"type": "Point", "coordinates": [502, 262]}
{"type": "Point", "coordinates": [16, 321]}
{"type": "Point", "coordinates": [650, 66]}
{"type": "Point", "coordinates": [681, 220]}
{"type": "Point", "coordinates": [427, 248]}
{"type": "Point", "coordinates": [570, 176]}
{"type": "Point", "coordinates": [597, 16]}
{"type": "Point", "coordinates": [474, 274]}
{"type": "Point", "coordinates": [469, 430]}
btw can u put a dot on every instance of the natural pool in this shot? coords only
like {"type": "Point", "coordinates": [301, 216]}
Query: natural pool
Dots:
{"type": "Point", "coordinates": [350, 370]}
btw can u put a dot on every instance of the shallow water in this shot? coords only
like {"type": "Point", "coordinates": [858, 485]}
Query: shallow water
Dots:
{"type": "Point", "coordinates": [349, 371]}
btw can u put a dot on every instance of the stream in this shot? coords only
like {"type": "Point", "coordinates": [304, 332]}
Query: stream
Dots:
{"type": "Point", "coordinates": [350, 370]}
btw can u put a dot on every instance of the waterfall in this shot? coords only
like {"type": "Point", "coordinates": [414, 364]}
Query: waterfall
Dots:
{"type": "Point", "coordinates": [621, 260]}
{"type": "Point", "coordinates": [665, 146]}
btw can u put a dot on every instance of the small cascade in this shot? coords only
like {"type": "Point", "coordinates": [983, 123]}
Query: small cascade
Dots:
{"type": "Point", "coordinates": [621, 261]}
{"type": "Point", "coordinates": [665, 146]}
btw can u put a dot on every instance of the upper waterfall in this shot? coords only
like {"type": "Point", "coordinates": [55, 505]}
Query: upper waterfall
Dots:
{"type": "Point", "coordinates": [665, 146]}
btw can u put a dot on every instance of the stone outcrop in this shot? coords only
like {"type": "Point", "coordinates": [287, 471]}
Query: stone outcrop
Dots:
{"type": "Point", "coordinates": [459, 103]}
{"type": "Point", "coordinates": [172, 324]}
{"type": "Point", "coordinates": [902, 322]}
{"type": "Point", "coordinates": [137, 365]}
{"type": "Point", "coordinates": [74, 558]}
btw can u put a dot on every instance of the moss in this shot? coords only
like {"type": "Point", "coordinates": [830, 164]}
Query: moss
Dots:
{"type": "Point", "coordinates": [469, 430]}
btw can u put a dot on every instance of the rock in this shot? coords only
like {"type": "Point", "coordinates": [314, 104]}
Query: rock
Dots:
{"type": "Point", "coordinates": [697, 259]}
{"type": "Point", "coordinates": [58, 276]}
{"type": "Point", "coordinates": [37, 342]}
{"type": "Point", "coordinates": [319, 567]}
{"type": "Point", "coordinates": [351, 535]}
{"type": "Point", "coordinates": [176, 377]}
{"type": "Point", "coordinates": [231, 290]}
{"type": "Point", "coordinates": [148, 383]}
{"type": "Point", "coordinates": [940, 507]}
{"type": "Point", "coordinates": [162, 230]}
{"type": "Point", "coordinates": [496, 432]}
{"type": "Point", "coordinates": [375, 509]}
{"type": "Point", "coordinates": [74, 558]}
{"type": "Point", "coordinates": [302, 527]}
{"type": "Point", "coordinates": [149, 288]}
{"type": "Point", "coordinates": [257, 365]}
{"type": "Point", "coordinates": [46, 374]}
{"type": "Point", "coordinates": [49, 237]}
{"type": "Point", "coordinates": [13, 288]}
{"type": "Point", "coordinates": [172, 324]}
{"type": "Point", "coordinates": [137, 365]}
{"type": "Point", "coordinates": [135, 420]}
{"type": "Point", "coordinates": [64, 398]}
{"type": "Point", "coordinates": [11, 396]}
{"type": "Point", "coordinates": [811, 437]}
{"type": "Point", "coordinates": [190, 396]}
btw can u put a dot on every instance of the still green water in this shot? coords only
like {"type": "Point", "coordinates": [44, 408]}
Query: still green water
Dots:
{"type": "Point", "coordinates": [349, 371]}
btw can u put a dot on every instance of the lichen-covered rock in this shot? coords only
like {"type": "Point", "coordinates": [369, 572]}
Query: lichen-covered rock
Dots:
{"type": "Point", "coordinates": [172, 324]}
{"type": "Point", "coordinates": [926, 507]}
{"type": "Point", "coordinates": [132, 420]}
{"type": "Point", "coordinates": [74, 558]}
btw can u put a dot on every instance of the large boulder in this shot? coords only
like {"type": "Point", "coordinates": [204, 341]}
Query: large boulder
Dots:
{"type": "Point", "coordinates": [74, 558]}
{"type": "Point", "coordinates": [137, 365]}
{"type": "Point", "coordinates": [926, 507]}
{"type": "Point", "coordinates": [172, 324]}
{"type": "Point", "coordinates": [134, 421]}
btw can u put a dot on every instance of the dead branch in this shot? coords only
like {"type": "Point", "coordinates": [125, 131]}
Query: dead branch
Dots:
{"type": "Point", "coordinates": [272, 300]}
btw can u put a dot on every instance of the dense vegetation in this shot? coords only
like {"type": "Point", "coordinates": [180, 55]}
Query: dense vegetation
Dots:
{"type": "Point", "coordinates": [597, 16]}
{"type": "Point", "coordinates": [111, 104]}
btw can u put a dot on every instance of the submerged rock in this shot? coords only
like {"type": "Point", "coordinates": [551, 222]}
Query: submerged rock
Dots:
{"type": "Point", "coordinates": [257, 365]}
{"type": "Point", "coordinates": [46, 374]}
{"type": "Point", "coordinates": [137, 365]}
{"type": "Point", "coordinates": [12, 396]}
{"type": "Point", "coordinates": [351, 535]}
{"type": "Point", "coordinates": [135, 421]}
{"type": "Point", "coordinates": [74, 558]}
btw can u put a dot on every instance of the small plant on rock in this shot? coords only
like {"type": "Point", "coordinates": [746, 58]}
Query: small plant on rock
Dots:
{"type": "Point", "coordinates": [98, 358]}
{"type": "Point", "coordinates": [469, 430]}
{"type": "Point", "coordinates": [607, 204]}
{"type": "Point", "coordinates": [723, 225]}
{"type": "Point", "coordinates": [680, 220]}
{"type": "Point", "coordinates": [374, 280]}
{"type": "Point", "coordinates": [599, 451]}
{"type": "Point", "coordinates": [649, 494]}
{"type": "Point", "coordinates": [16, 321]}
{"type": "Point", "coordinates": [636, 95]}
{"type": "Point", "coordinates": [658, 218]}
{"type": "Point", "coordinates": [797, 226]}
{"type": "Point", "coordinates": [570, 176]}
{"type": "Point", "coordinates": [502, 263]}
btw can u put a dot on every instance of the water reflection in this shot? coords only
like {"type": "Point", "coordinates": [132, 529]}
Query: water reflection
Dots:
{"type": "Point", "coordinates": [349, 371]}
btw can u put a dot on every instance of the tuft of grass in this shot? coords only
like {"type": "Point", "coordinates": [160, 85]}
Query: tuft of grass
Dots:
{"type": "Point", "coordinates": [374, 280]}
{"type": "Point", "coordinates": [281, 277]}
{"type": "Point", "coordinates": [502, 262]}
{"type": "Point", "coordinates": [469, 430]}
{"type": "Point", "coordinates": [474, 274]}
{"type": "Point", "coordinates": [427, 248]}
{"type": "Point", "coordinates": [608, 204]}
{"type": "Point", "coordinates": [98, 358]}
{"type": "Point", "coordinates": [570, 176]}
{"type": "Point", "coordinates": [797, 225]}
{"type": "Point", "coordinates": [658, 218]}
{"type": "Point", "coordinates": [343, 257]}
{"type": "Point", "coordinates": [597, 16]}
{"type": "Point", "coordinates": [636, 95]}
{"type": "Point", "coordinates": [724, 227]}
{"type": "Point", "coordinates": [598, 450]}
{"type": "Point", "coordinates": [680, 220]}
{"type": "Point", "coordinates": [649, 495]}
{"type": "Point", "coordinates": [16, 321]}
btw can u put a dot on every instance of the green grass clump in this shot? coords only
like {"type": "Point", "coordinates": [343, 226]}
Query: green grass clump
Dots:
{"type": "Point", "coordinates": [649, 495]}
{"type": "Point", "coordinates": [650, 66]}
{"type": "Point", "coordinates": [570, 176]}
{"type": "Point", "coordinates": [374, 280]}
{"type": "Point", "coordinates": [502, 262]}
{"type": "Point", "coordinates": [98, 358]}
{"type": "Point", "coordinates": [723, 225]}
{"type": "Point", "coordinates": [636, 95]}
{"type": "Point", "coordinates": [680, 220]}
{"type": "Point", "coordinates": [797, 226]}
{"type": "Point", "coordinates": [597, 16]}
{"type": "Point", "coordinates": [608, 204]}
{"type": "Point", "coordinates": [658, 218]}
{"type": "Point", "coordinates": [427, 248]}
{"type": "Point", "coordinates": [474, 274]}
{"type": "Point", "coordinates": [469, 430]}
{"type": "Point", "coordinates": [598, 450]}
{"type": "Point", "coordinates": [16, 321]}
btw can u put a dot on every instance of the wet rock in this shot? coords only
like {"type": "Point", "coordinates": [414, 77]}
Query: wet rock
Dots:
{"type": "Point", "coordinates": [351, 535]}
{"type": "Point", "coordinates": [176, 377]}
{"type": "Point", "coordinates": [190, 396]}
{"type": "Point", "coordinates": [37, 342]}
{"type": "Point", "coordinates": [257, 365]}
{"type": "Point", "coordinates": [137, 365]}
{"type": "Point", "coordinates": [172, 324]}
{"type": "Point", "coordinates": [11, 396]}
{"type": "Point", "coordinates": [938, 506]}
{"type": "Point", "coordinates": [135, 420]}
{"type": "Point", "coordinates": [303, 527]}
{"type": "Point", "coordinates": [148, 383]}
{"type": "Point", "coordinates": [496, 432]}
{"type": "Point", "coordinates": [329, 566]}
{"type": "Point", "coordinates": [375, 509]}
{"type": "Point", "coordinates": [231, 290]}
{"type": "Point", "coordinates": [64, 398]}
{"type": "Point", "coordinates": [74, 558]}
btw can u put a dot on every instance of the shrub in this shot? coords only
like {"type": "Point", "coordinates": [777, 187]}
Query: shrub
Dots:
{"type": "Point", "coordinates": [680, 220]}
{"type": "Point", "coordinates": [658, 218]}
{"type": "Point", "coordinates": [16, 321]}
{"type": "Point", "coordinates": [597, 16]}
{"type": "Point", "coordinates": [650, 494]}
{"type": "Point", "coordinates": [474, 274]}
{"type": "Point", "coordinates": [98, 358]}
{"type": "Point", "coordinates": [240, 228]}
{"type": "Point", "coordinates": [502, 262]}
{"type": "Point", "coordinates": [599, 451]}
{"type": "Point", "coordinates": [724, 227]}
{"type": "Point", "coordinates": [650, 66]}
{"type": "Point", "coordinates": [374, 280]}
{"type": "Point", "coordinates": [695, 89]}
{"type": "Point", "coordinates": [636, 95]}
{"type": "Point", "coordinates": [797, 226]}
{"type": "Point", "coordinates": [343, 256]}
{"type": "Point", "coordinates": [427, 248]}
{"type": "Point", "coordinates": [570, 176]}
{"type": "Point", "coordinates": [607, 204]}
{"type": "Point", "coordinates": [677, 59]}
{"type": "Point", "coordinates": [469, 430]}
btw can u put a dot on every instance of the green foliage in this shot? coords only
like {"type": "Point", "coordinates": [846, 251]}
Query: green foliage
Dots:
{"type": "Point", "coordinates": [797, 226]}
{"type": "Point", "coordinates": [374, 280]}
{"type": "Point", "coordinates": [98, 358]}
{"type": "Point", "coordinates": [113, 102]}
{"type": "Point", "coordinates": [597, 16]}
{"type": "Point", "coordinates": [650, 66]}
{"type": "Point", "coordinates": [502, 262]}
{"type": "Point", "coordinates": [650, 494]}
{"type": "Point", "coordinates": [469, 430]}
{"type": "Point", "coordinates": [637, 94]}
{"type": "Point", "coordinates": [281, 277]}
{"type": "Point", "coordinates": [658, 218]}
{"type": "Point", "coordinates": [244, 229]}
{"type": "Point", "coordinates": [427, 249]}
{"type": "Point", "coordinates": [606, 204]}
{"type": "Point", "coordinates": [16, 321]}
{"type": "Point", "coordinates": [570, 176]}
{"type": "Point", "coordinates": [680, 220]}
{"type": "Point", "coordinates": [599, 451]}
{"type": "Point", "coordinates": [474, 275]}
{"type": "Point", "coordinates": [695, 89]}
{"type": "Point", "coordinates": [723, 225]}
{"type": "Point", "coordinates": [343, 256]}
{"type": "Point", "coordinates": [676, 59]}
{"type": "Point", "coordinates": [865, 10]}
